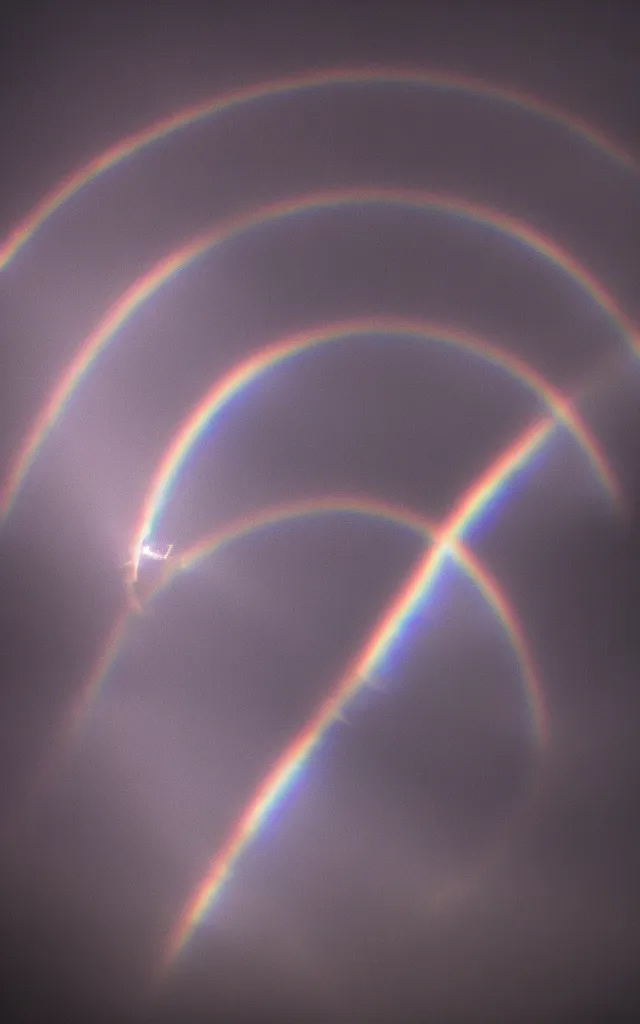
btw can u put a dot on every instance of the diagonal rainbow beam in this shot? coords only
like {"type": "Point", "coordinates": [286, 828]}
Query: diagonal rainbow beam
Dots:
{"type": "Point", "coordinates": [246, 372]}
{"type": "Point", "coordinates": [163, 271]}
{"type": "Point", "coordinates": [237, 98]}
{"type": "Point", "coordinates": [384, 635]}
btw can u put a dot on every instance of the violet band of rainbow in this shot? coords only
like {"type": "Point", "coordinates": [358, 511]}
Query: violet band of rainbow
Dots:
{"type": "Point", "coordinates": [234, 382]}
{"type": "Point", "coordinates": [178, 260]}
{"type": "Point", "coordinates": [385, 634]}
{"type": "Point", "coordinates": [235, 99]}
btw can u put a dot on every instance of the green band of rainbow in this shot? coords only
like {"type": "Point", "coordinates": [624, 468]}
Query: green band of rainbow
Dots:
{"type": "Point", "coordinates": [147, 285]}
{"type": "Point", "coordinates": [383, 636]}
{"type": "Point", "coordinates": [237, 98]}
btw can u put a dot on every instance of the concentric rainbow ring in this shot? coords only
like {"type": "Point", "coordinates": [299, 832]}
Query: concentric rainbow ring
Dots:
{"type": "Point", "coordinates": [147, 285]}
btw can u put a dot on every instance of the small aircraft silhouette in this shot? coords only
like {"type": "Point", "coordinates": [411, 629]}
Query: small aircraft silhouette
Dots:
{"type": "Point", "coordinates": [154, 553]}
{"type": "Point", "coordinates": [143, 577]}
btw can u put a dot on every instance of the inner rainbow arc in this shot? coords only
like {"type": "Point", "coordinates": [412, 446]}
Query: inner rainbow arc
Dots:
{"type": "Point", "coordinates": [378, 508]}
{"type": "Point", "coordinates": [353, 504]}
{"type": "Point", "coordinates": [240, 376]}
{"type": "Point", "coordinates": [236, 98]}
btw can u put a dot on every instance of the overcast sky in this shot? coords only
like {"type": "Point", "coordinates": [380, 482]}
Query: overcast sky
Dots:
{"type": "Point", "coordinates": [434, 860]}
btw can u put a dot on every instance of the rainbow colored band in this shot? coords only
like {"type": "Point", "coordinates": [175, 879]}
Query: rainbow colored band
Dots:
{"type": "Point", "coordinates": [237, 98]}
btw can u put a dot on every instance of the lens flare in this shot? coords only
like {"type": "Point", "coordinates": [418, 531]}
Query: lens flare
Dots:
{"type": "Point", "coordinates": [148, 284]}
{"type": "Point", "coordinates": [237, 98]}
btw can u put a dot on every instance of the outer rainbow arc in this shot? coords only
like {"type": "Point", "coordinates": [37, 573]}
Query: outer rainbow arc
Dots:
{"type": "Point", "coordinates": [165, 126]}
{"type": "Point", "coordinates": [150, 282]}
{"type": "Point", "coordinates": [401, 607]}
